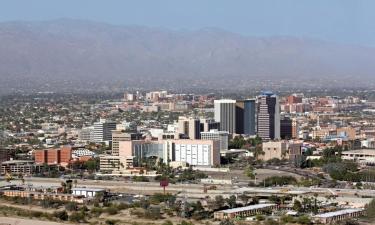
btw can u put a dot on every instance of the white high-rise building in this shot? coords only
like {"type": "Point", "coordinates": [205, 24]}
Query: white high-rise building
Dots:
{"type": "Point", "coordinates": [225, 113]}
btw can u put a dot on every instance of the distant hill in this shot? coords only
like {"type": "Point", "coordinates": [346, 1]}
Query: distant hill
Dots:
{"type": "Point", "coordinates": [80, 55]}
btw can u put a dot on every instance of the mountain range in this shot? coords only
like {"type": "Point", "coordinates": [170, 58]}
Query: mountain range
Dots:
{"type": "Point", "coordinates": [76, 55]}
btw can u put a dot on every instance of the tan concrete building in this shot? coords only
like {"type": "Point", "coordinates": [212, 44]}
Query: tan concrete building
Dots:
{"type": "Point", "coordinates": [118, 136]}
{"type": "Point", "coordinates": [190, 127]}
{"type": "Point", "coordinates": [281, 150]}
{"type": "Point", "coordinates": [277, 149]}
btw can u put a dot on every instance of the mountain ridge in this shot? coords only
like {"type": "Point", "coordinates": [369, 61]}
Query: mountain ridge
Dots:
{"type": "Point", "coordinates": [59, 53]}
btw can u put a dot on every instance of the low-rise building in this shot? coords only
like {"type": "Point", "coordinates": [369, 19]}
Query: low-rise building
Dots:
{"type": "Point", "coordinates": [19, 167]}
{"type": "Point", "coordinates": [363, 156]}
{"type": "Point", "coordinates": [88, 192]}
{"type": "Point", "coordinates": [221, 136]}
{"type": "Point", "coordinates": [115, 164]}
{"type": "Point", "coordinates": [244, 211]}
{"type": "Point", "coordinates": [291, 151]}
{"type": "Point", "coordinates": [42, 196]}
{"type": "Point", "coordinates": [332, 217]}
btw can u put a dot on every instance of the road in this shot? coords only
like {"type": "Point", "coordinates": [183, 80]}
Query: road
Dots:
{"type": "Point", "coordinates": [190, 190]}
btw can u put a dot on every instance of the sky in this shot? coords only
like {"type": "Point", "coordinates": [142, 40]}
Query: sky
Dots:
{"type": "Point", "coordinates": [342, 21]}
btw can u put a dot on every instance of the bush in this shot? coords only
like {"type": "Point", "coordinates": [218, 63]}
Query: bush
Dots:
{"type": "Point", "coordinates": [140, 179]}
{"type": "Point", "coordinates": [153, 213]}
{"type": "Point", "coordinates": [168, 222]}
{"type": "Point", "coordinates": [71, 206]}
{"type": "Point", "coordinates": [77, 217]}
{"type": "Point", "coordinates": [61, 215]}
{"type": "Point", "coordinates": [36, 214]}
{"type": "Point", "coordinates": [279, 180]}
{"type": "Point", "coordinates": [96, 211]}
{"type": "Point", "coordinates": [122, 206]}
{"type": "Point", "coordinates": [303, 220]}
{"type": "Point", "coordinates": [112, 210]}
{"type": "Point", "coordinates": [287, 219]}
{"type": "Point", "coordinates": [111, 222]}
{"type": "Point", "coordinates": [185, 223]}
{"type": "Point", "coordinates": [271, 222]}
{"type": "Point", "coordinates": [259, 217]}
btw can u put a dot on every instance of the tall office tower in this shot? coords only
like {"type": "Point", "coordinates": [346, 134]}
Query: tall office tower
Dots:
{"type": "Point", "coordinates": [118, 135]}
{"type": "Point", "coordinates": [225, 113]}
{"type": "Point", "coordinates": [190, 127]}
{"type": "Point", "coordinates": [286, 128]}
{"type": "Point", "coordinates": [294, 128]}
{"type": "Point", "coordinates": [268, 116]}
{"type": "Point", "coordinates": [103, 130]}
{"type": "Point", "coordinates": [245, 117]}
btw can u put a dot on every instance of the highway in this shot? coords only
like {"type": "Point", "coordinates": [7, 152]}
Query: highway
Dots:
{"type": "Point", "coordinates": [191, 190]}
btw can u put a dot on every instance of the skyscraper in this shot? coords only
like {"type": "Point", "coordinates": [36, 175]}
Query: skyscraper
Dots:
{"type": "Point", "coordinates": [225, 113]}
{"type": "Point", "coordinates": [286, 128]}
{"type": "Point", "coordinates": [245, 117]}
{"type": "Point", "coordinates": [268, 116]}
{"type": "Point", "coordinates": [103, 130]}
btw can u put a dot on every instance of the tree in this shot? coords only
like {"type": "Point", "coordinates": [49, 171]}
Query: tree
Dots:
{"type": "Point", "coordinates": [219, 201]}
{"type": "Point", "coordinates": [91, 165]}
{"type": "Point", "coordinates": [249, 172]}
{"type": "Point", "coordinates": [231, 201]}
{"type": "Point", "coordinates": [244, 198]}
{"type": "Point", "coordinates": [297, 206]}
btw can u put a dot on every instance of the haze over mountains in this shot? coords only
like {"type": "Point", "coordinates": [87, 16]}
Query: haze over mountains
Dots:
{"type": "Point", "coordinates": [72, 55]}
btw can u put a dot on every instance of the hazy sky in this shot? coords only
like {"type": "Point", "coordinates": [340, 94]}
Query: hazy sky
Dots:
{"type": "Point", "coordinates": [351, 21]}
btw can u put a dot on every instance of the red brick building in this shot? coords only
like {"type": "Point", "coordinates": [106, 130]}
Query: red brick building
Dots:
{"type": "Point", "coordinates": [53, 156]}
{"type": "Point", "coordinates": [293, 100]}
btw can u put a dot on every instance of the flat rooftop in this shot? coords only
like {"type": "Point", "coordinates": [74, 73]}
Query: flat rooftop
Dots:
{"type": "Point", "coordinates": [247, 208]}
{"type": "Point", "coordinates": [361, 151]}
{"type": "Point", "coordinates": [338, 213]}
{"type": "Point", "coordinates": [88, 189]}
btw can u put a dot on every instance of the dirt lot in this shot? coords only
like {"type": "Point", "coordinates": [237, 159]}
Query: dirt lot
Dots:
{"type": "Point", "coordinates": [19, 221]}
